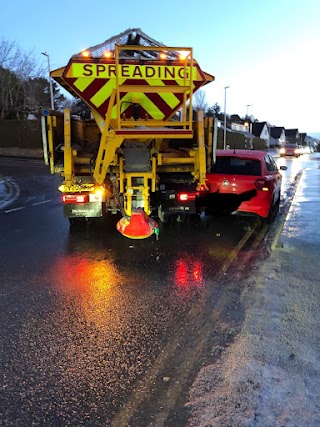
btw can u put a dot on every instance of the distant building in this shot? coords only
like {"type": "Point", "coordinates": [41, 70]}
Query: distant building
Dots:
{"type": "Point", "coordinates": [302, 139]}
{"type": "Point", "coordinates": [292, 136]}
{"type": "Point", "coordinates": [261, 130]}
{"type": "Point", "coordinates": [245, 129]}
{"type": "Point", "coordinates": [238, 127]}
{"type": "Point", "coordinates": [311, 142]}
{"type": "Point", "coordinates": [277, 136]}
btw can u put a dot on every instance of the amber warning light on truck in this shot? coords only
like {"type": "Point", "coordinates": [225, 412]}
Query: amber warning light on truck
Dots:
{"type": "Point", "coordinates": [127, 71]}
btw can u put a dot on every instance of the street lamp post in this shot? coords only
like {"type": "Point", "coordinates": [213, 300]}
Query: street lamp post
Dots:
{"type": "Point", "coordinates": [50, 80]}
{"type": "Point", "coordinates": [247, 124]}
{"type": "Point", "coordinates": [225, 118]}
{"type": "Point", "coordinates": [248, 105]}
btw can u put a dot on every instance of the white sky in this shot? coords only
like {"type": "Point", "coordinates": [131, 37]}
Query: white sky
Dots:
{"type": "Point", "coordinates": [266, 52]}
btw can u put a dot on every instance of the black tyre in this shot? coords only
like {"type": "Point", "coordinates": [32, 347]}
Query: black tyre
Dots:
{"type": "Point", "coordinates": [77, 223]}
{"type": "Point", "coordinates": [274, 210]}
{"type": "Point", "coordinates": [181, 218]}
{"type": "Point", "coordinates": [162, 215]}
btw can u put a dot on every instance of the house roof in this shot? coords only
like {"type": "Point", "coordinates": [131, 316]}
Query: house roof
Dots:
{"type": "Point", "coordinates": [275, 132]}
{"type": "Point", "coordinates": [291, 133]}
{"type": "Point", "coordinates": [257, 128]}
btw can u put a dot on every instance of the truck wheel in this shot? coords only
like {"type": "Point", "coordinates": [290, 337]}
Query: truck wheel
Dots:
{"type": "Point", "coordinates": [77, 223]}
{"type": "Point", "coordinates": [162, 215]}
{"type": "Point", "coordinates": [181, 218]}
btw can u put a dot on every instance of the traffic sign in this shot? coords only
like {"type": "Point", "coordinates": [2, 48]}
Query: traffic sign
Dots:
{"type": "Point", "coordinates": [46, 112]}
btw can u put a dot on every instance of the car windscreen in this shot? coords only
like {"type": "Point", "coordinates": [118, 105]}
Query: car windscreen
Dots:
{"type": "Point", "coordinates": [236, 166]}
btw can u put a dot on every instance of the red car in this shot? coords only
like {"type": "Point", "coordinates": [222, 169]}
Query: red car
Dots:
{"type": "Point", "coordinates": [290, 150]}
{"type": "Point", "coordinates": [243, 182]}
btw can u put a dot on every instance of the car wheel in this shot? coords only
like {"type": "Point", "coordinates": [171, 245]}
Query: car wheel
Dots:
{"type": "Point", "coordinates": [274, 210]}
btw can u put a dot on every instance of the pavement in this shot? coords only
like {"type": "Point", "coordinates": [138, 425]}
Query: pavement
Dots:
{"type": "Point", "coordinates": [270, 374]}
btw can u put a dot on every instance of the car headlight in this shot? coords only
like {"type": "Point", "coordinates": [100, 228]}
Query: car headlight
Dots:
{"type": "Point", "coordinates": [282, 150]}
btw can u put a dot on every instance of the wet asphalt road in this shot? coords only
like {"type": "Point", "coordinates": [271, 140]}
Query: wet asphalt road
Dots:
{"type": "Point", "coordinates": [86, 315]}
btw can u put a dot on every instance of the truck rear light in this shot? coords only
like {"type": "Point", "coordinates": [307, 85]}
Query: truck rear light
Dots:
{"type": "Point", "coordinates": [204, 188]}
{"type": "Point", "coordinates": [262, 184]}
{"type": "Point", "coordinates": [185, 197]}
{"type": "Point", "coordinates": [99, 191]}
{"type": "Point", "coordinates": [75, 198]}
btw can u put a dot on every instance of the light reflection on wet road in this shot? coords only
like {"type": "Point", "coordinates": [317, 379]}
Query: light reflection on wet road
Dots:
{"type": "Point", "coordinates": [85, 315]}
{"type": "Point", "coordinates": [306, 192]}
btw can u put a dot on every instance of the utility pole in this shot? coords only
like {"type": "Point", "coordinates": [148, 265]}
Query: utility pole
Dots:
{"type": "Point", "coordinates": [50, 80]}
{"type": "Point", "coordinates": [225, 118]}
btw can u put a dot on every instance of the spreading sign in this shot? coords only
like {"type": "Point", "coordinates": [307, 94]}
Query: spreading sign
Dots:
{"type": "Point", "coordinates": [109, 71]}
{"type": "Point", "coordinates": [94, 80]}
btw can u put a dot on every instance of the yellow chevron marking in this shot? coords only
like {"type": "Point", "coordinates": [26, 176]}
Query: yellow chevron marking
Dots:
{"type": "Point", "coordinates": [145, 102]}
{"type": "Point", "coordinates": [103, 94]}
{"type": "Point", "coordinates": [83, 82]}
{"type": "Point", "coordinates": [169, 98]}
{"type": "Point", "coordinates": [151, 108]}
{"type": "Point", "coordinates": [181, 83]}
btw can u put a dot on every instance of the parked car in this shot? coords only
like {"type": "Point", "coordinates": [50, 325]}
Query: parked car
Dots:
{"type": "Point", "coordinates": [245, 182]}
{"type": "Point", "coordinates": [290, 150]}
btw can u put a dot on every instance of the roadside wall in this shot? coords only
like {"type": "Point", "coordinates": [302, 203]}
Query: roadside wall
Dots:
{"type": "Point", "coordinates": [21, 138]}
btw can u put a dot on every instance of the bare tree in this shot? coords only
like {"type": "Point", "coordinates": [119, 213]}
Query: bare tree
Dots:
{"type": "Point", "coordinates": [199, 101]}
{"type": "Point", "coordinates": [17, 69]}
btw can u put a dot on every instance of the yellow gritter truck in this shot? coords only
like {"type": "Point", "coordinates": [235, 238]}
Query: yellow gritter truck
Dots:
{"type": "Point", "coordinates": [141, 153]}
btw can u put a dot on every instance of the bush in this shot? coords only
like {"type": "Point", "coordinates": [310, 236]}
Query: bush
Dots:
{"type": "Point", "coordinates": [259, 144]}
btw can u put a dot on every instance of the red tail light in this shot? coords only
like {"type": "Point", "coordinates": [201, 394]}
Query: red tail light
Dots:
{"type": "Point", "coordinates": [263, 185]}
{"type": "Point", "coordinates": [204, 188]}
{"type": "Point", "coordinates": [185, 197]}
{"type": "Point", "coordinates": [75, 198]}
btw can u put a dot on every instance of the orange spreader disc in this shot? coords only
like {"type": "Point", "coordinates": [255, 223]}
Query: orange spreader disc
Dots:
{"type": "Point", "coordinates": [138, 226]}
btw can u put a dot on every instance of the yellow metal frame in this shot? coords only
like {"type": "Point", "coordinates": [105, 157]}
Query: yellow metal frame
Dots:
{"type": "Point", "coordinates": [201, 152]}
{"type": "Point", "coordinates": [68, 155]}
{"type": "Point", "coordinates": [186, 89]}
{"type": "Point", "coordinates": [114, 132]}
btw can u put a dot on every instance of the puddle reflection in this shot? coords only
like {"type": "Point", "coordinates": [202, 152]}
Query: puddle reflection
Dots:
{"type": "Point", "coordinates": [90, 284]}
{"type": "Point", "coordinates": [188, 273]}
